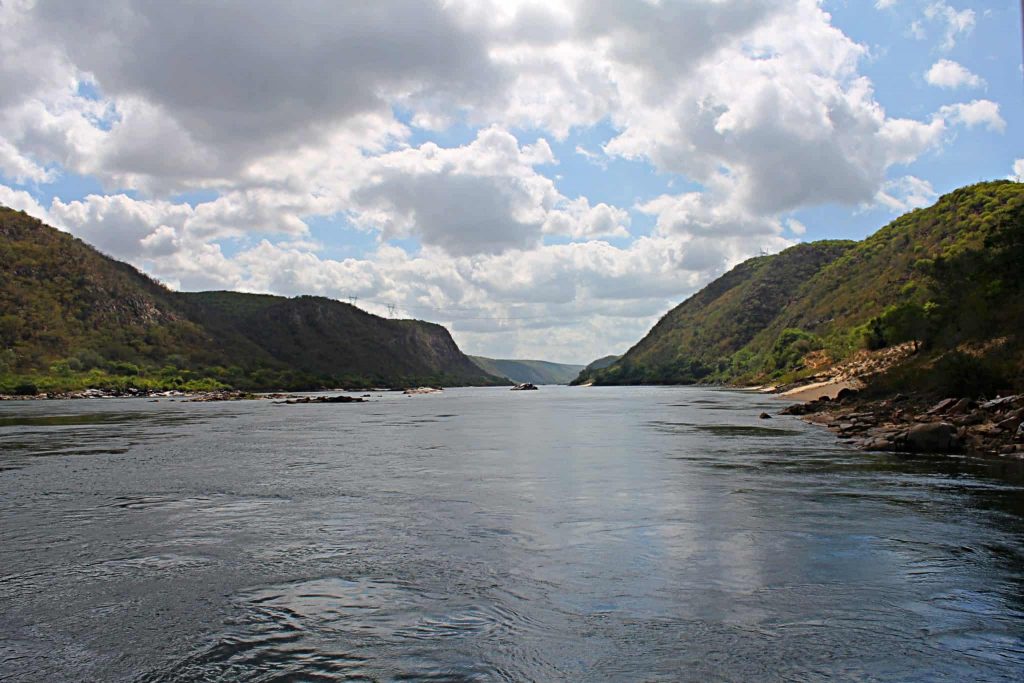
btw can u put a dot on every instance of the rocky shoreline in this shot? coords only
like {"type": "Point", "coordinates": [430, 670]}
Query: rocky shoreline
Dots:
{"type": "Point", "coordinates": [909, 425]}
{"type": "Point", "coordinates": [175, 395]}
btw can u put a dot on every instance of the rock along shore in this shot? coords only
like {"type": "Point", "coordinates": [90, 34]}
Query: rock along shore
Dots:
{"type": "Point", "coordinates": [905, 424]}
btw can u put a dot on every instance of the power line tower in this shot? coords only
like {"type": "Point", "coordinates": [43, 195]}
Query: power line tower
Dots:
{"type": "Point", "coordinates": [353, 299]}
{"type": "Point", "coordinates": [391, 310]}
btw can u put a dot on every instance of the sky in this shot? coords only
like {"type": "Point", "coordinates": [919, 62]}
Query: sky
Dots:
{"type": "Point", "coordinates": [546, 179]}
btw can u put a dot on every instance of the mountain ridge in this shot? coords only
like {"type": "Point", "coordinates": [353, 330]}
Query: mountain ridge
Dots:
{"type": "Point", "coordinates": [72, 317]}
{"type": "Point", "coordinates": [529, 371]}
{"type": "Point", "coordinates": [949, 278]}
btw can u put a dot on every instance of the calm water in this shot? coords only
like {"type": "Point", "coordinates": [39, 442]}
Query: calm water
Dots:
{"type": "Point", "coordinates": [565, 534]}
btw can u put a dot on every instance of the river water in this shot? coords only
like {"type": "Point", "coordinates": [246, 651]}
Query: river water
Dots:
{"type": "Point", "coordinates": [628, 534]}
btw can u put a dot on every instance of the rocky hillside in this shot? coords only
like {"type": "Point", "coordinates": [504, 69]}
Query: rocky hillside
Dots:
{"type": "Point", "coordinates": [531, 371]}
{"type": "Point", "coordinates": [948, 279]}
{"type": "Point", "coordinates": [71, 318]}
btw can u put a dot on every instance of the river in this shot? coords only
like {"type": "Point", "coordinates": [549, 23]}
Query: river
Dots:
{"type": "Point", "coordinates": [626, 534]}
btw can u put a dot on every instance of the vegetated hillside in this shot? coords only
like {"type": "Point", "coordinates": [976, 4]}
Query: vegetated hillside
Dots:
{"type": "Point", "coordinates": [71, 317]}
{"type": "Point", "coordinates": [60, 300]}
{"type": "Point", "coordinates": [324, 337]}
{"type": "Point", "coordinates": [698, 338]}
{"type": "Point", "coordinates": [532, 371]}
{"type": "Point", "coordinates": [950, 278]}
{"type": "Point", "coordinates": [602, 362]}
{"type": "Point", "coordinates": [590, 368]}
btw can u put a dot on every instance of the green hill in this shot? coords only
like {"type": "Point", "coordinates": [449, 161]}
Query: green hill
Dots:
{"type": "Point", "coordinates": [532, 371]}
{"type": "Point", "coordinates": [949, 278]}
{"type": "Point", "coordinates": [602, 362]}
{"type": "Point", "coordinates": [71, 317]}
{"type": "Point", "coordinates": [698, 338]}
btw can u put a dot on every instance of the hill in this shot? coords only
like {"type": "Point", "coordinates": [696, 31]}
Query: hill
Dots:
{"type": "Point", "coordinates": [601, 363]}
{"type": "Point", "coordinates": [71, 317]}
{"type": "Point", "coordinates": [698, 338]}
{"type": "Point", "coordinates": [532, 371]}
{"type": "Point", "coordinates": [948, 278]}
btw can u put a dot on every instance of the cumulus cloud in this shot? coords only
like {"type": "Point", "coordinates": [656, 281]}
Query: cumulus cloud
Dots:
{"type": "Point", "coordinates": [906, 193]}
{"type": "Point", "coordinates": [782, 115]}
{"type": "Point", "coordinates": [485, 196]}
{"type": "Point", "coordinates": [975, 113]}
{"type": "Point", "coordinates": [288, 113]}
{"type": "Point", "coordinates": [23, 201]}
{"type": "Point", "coordinates": [1018, 171]}
{"type": "Point", "coordinates": [946, 73]}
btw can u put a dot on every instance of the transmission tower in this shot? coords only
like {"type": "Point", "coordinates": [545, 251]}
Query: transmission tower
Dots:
{"type": "Point", "coordinates": [391, 310]}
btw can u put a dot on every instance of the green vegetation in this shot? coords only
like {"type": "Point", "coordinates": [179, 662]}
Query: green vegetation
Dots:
{"type": "Point", "coordinates": [532, 371]}
{"type": "Point", "coordinates": [703, 338]}
{"type": "Point", "coordinates": [949, 279]}
{"type": "Point", "coordinates": [71, 318]}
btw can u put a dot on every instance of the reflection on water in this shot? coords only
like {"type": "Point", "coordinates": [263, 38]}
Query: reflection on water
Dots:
{"type": "Point", "coordinates": [572, 534]}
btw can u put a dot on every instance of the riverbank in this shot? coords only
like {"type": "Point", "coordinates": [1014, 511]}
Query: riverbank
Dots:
{"type": "Point", "coordinates": [908, 424]}
{"type": "Point", "coordinates": [151, 394]}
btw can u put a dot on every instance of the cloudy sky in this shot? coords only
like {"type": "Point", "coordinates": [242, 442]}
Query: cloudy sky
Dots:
{"type": "Point", "coordinates": [546, 179]}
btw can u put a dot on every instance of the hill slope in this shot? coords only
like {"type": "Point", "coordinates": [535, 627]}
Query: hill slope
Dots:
{"type": "Point", "coordinates": [950, 278]}
{"type": "Point", "coordinates": [698, 338]}
{"type": "Point", "coordinates": [71, 317]}
{"type": "Point", "coordinates": [532, 371]}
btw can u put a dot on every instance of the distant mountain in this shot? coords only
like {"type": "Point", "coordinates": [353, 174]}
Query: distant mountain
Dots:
{"type": "Point", "coordinates": [950, 278]}
{"type": "Point", "coordinates": [532, 371]}
{"type": "Point", "coordinates": [71, 317]}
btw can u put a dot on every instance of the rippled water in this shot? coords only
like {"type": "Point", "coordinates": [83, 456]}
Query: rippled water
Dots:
{"type": "Point", "coordinates": [566, 534]}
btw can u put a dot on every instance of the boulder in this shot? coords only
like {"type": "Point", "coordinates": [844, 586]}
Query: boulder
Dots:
{"type": "Point", "coordinates": [1004, 402]}
{"type": "Point", "coordinates": [942, 406]}
{"type": "Point", "coordinates": [960, 407]}
{"type": "Point", "coordinates": [846, 392]}
{"type": "Point", "coordinates": [931, 437]}
{"type": "Point", "coordinates": [765, 416]}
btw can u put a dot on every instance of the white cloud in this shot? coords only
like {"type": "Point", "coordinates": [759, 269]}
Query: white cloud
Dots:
{"type": "Point", "coordinates": [796, 227]}
{"type": "Point", "coordinates": [20, 167]}
{"type": "Point", "coordinates": [946, 73]}
{"type": "Point", "coordinates": [1018, 171]}
{"type": "Point", "coordinates": [906, 193]}
{"type": "Point", "coordinates": [975, 113]}
{"type": "Point", "coordinates": [758, 107]}
{"type": "Point", "coordinates": [485, 196]}
{"type": "Point", "coordinates": [23, 201]}
{"type": "Point", "coordinates": [957, 21]}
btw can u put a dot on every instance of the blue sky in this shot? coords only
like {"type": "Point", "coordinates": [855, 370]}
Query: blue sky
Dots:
{"type": "Point", "coordinates": [545, 179]}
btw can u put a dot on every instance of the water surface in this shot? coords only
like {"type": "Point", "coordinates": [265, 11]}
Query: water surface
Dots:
{"type": "Point", "coordinates": [481, 534]}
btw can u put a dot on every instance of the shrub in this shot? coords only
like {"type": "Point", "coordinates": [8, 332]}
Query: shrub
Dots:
{"type": "Point", "coordinates": [124, 368]}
